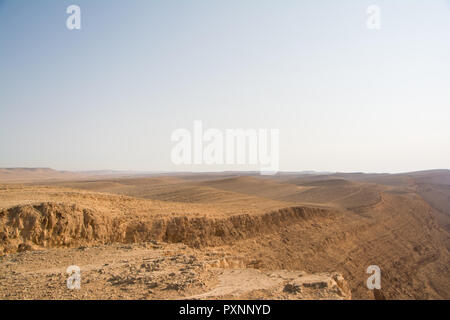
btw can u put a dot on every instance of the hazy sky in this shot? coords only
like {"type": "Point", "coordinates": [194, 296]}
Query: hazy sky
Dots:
{"type": "Point", "coordinates": [108, 96]}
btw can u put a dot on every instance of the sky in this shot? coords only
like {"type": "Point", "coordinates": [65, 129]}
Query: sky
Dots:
{"type": "Point", "coordinates": [344, 97]}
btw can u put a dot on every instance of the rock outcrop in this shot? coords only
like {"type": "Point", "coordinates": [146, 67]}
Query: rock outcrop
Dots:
{"type": "Point", "coordinates": [51, 225]}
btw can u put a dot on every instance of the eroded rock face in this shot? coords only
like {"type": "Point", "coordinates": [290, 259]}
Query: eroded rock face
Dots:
{"type": "Point", "coordinates": [342, 284]}
{"type": "Point", "coordinates": [49, 225]}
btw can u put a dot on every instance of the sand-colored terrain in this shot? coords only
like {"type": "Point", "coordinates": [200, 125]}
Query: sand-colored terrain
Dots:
{"type": "Point", "coordinates": [252, 237]}
{"type": "Point", "coordinates": [155, 270]}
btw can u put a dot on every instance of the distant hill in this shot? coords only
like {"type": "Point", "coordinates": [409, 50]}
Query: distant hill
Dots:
{"type": "Point", "coordinates": [21, 175]}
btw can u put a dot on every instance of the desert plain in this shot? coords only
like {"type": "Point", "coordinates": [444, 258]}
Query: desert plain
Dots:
{"type": "Point", "coordinates": [223, 235]}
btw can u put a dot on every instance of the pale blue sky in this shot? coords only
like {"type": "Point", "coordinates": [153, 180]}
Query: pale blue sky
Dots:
{"type": "Point", "coordinates": [345, 98]}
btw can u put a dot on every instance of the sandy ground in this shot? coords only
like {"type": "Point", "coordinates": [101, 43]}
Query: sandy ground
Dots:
{"type": "Point", "coordinates": [155, 271]}
{"type": "Point", "coordinates": [258, 226]}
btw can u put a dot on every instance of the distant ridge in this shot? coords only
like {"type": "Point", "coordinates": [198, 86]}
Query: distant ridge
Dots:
{"type": "Point", "coordinates": [36, 174]}
{"type": "Point", "coordinates": [22, 175]}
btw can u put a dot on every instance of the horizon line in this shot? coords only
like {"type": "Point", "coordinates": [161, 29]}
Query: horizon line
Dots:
{"type": "Point", "coordinates": [118, 171]}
